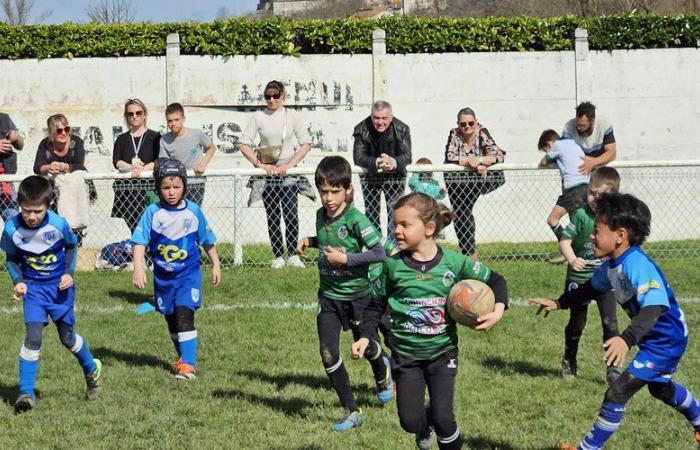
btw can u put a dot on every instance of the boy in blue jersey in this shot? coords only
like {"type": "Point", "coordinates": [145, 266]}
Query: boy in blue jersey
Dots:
{"type": "Point", "coordinates": [173, 229]}
{"type": "Point", "coordinates": [568, 156]}
{"type": "Point", "coordinates": [658, 325]}
{"type": "Point", "coordinates": [41, 256]}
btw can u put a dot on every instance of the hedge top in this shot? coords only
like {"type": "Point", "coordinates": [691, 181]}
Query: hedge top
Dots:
{"type": "Point", "coordinates": [240, 36]}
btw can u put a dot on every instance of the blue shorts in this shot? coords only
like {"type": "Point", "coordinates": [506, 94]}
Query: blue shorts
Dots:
{"type": "Point", "coordinates": [652, 368]}
{"type": "Point", "coordinates": [180, 291]}
{"type": "Point", "coordinates": [43, 300]}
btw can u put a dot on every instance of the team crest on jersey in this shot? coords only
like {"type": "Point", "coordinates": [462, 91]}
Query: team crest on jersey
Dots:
{"type": "Point", "coordinates": [49, 236]}
{"type": "Point", "coordinates": [195, 295]}
{"type": "Point", "coordinates": [448, 278]}
{"type": "Point", "coordinates": [343, 232]}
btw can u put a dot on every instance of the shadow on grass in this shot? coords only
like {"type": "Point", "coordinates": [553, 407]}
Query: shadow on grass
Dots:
{"type": "Point", "coordinates": [521, 367]}
{"type": "Point", "coordinates": [484, 443]}
{"type": "Point", "coordinates": [133, 297]}
{"type": "Point", "coordinates": [9, 393]}
{"type": "Point", "coordinates": [282, 380]}
{"type": "Point", "coordinates": [291, 407]}
{"type": "Point", "coordinates": [132, 359]}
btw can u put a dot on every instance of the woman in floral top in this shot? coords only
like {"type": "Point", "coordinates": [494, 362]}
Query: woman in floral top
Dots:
{"type": "Point", "coordinates": [470, 145]}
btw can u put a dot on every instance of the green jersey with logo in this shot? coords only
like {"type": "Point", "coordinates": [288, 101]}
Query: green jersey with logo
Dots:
{"type": "Point", "coordinates": [579, 230]}
{"type": "Point", "coordinates": [350, 232]}
{"type": "Point", "coordinates": [416, 293]}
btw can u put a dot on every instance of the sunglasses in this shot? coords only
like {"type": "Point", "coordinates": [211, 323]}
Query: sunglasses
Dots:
{"type": "Point", "coordinates": [275, 96]}
{"type": "Point", "coordinates": [63, 130]}
{"type": "Point", "coordinates": [134, 114]}
{"type": "Point", "coordinates": [466, 124]}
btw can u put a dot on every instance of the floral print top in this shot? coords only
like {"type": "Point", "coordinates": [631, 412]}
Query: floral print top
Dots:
{"type": "Point", "coordinates": [483, 145]}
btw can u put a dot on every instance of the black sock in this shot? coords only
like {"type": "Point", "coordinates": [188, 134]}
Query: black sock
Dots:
{"type": "Point", "coordinates": [340, 381]}
{"type": "Point", "coordinates": [558, 231]}
{"type": "Point", "coordinates": [375, 356]}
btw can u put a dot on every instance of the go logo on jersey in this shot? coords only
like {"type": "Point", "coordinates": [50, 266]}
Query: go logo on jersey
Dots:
{"type": "Point", "coordinates": [171, 253]}
{"type": "Point", "coordinates": [41, 262]}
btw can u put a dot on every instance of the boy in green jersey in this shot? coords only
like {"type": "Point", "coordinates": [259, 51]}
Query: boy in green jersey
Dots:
{"type": "Point", "coordinates": [577, 247]}
{"type": "Point", "coordinates": [348, 245]}
{"type": "Point", "coordinates": [415, 284]}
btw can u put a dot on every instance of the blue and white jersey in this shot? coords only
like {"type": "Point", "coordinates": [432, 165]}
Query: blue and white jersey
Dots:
{"type": "Point", "coordinates": [638, 283]}
{"type": "Point", "coordinates": [40, 251]}
{"type": "Point", "coordinates": [569, 156]}
{"type": "Point", "coordinates": [173, 236]}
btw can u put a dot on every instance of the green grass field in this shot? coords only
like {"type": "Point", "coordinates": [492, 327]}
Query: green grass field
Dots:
{"type": "Point", "coordinates": [261, 384]}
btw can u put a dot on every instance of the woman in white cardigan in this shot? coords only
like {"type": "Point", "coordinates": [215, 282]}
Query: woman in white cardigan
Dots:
{"type": "Point", "coordinates": [278, 128]}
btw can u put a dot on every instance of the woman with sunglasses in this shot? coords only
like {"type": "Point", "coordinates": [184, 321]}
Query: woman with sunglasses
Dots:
{"type": "Point", "coordinates": [278, 128]}
{"type": "Point", "coordinates": [470, 145]}
{"type": "Point", "coordinates": [134, 151]}
{"type": "Point", "coordinates": [59, 152]}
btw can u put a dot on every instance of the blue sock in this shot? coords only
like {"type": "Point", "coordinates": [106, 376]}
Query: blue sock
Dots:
{"type": "Point", "coordinates": [188, 346]}
{"type": "Point", "coordinates": [606, 424]}
{"type": "Point", "coordinates": [82, 352]}
{"type": "Point", "coordinates": [176, 343]}
{"type": "Point", "coordinates": [684, 402]}
{"type": "Point", "coordinates": [28, 367]}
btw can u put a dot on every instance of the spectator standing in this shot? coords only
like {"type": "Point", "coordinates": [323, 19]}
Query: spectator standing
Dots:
{"type": "Point", "coordinates": [10, 140]}
{"type": "Point", "coordinates": [594, 134]}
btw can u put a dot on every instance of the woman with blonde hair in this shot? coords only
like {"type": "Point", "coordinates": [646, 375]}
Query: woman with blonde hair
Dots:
{"type": "Point", "coordinates": [134, 151]}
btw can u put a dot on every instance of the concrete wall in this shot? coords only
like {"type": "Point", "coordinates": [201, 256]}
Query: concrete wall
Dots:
{"type": "Point", "coordinates": [651, 96]}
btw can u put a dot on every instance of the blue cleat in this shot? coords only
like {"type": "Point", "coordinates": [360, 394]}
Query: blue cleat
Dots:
{"type": "Point", "coordinates": [349, 420]}
{"type": "Point", "coordinates": [385, 388]}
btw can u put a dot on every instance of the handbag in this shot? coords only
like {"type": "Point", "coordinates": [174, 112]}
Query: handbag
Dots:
{"type": "Point", "coordinates": [271, 154]}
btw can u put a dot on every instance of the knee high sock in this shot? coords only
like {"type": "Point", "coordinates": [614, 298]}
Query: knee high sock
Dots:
{"type": "Point", "coordinates": [606, 424]}
{"type": "Point", "coordinates": [340, 381]}
{"type": "Point", "coordinates": [188, 346]}
{"type": "Point", "coordinates": [684, 402]}
{"type": "Point", "coordinates": [82, 353]}
{"type": "Point", "coordinates": [28, 367]}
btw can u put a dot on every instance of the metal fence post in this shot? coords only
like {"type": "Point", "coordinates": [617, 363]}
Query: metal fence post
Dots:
{"type": "Point", "coordinates": [237, 220]}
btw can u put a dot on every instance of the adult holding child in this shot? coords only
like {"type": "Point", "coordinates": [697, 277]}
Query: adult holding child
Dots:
{"type": "Point", "coordinates": [470, 145]}
{"type": "Point", "coordinates": [594, 133]}
{"type": "Point", "coordinates": [382, 146]}
{"type": "Point", "coordinates": [134, 151]}
{"type": "Point", "coordinates": [278, 130]}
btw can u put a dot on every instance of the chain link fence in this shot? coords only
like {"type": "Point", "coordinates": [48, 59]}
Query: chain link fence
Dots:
{"type": "Point", "coordinates": [259, 219]}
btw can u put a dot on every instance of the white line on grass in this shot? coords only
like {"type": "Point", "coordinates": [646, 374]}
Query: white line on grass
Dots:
{"type": "Point", "coordinates": [226, 307]}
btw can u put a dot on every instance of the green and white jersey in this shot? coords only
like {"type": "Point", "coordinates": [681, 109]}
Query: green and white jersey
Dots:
{"type": "Point", "coordinates": [416, 293]}
{"type": "Point", "coordinates": [350, 232]}
{"type": "Point", "coordinates": [579, 230]}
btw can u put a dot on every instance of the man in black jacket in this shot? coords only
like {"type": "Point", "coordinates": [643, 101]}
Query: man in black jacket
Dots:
{"type": "Point", "coordinates": [10, 140]}
{"type": "Point", "coordinates": [383, 147]}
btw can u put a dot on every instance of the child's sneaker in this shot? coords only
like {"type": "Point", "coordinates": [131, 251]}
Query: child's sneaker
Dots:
{"type": "Point", "coordinates": [612, 374]}
{"type": "Point", "coordinates": [349, 420]}
{"type": "Point", "coordinates": [25, 402]}
{"type": "Point", "coordinates": [94, 381]}
{"type": "Point", "coordinates": [176, 364]}
{"type": "Point", "coordinates": [424, 439]}
{"type": "Point", "coordinates": [277, 263]}
{"type": "Point", "coordinates": [385, 388]}
{"type": "Point", "coordinates": [568, 369]}
{"type": "Point", "coordinates": [185, 372]}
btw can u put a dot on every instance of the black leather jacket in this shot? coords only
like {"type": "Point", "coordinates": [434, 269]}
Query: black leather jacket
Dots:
{"type": "Point", "coordinates": [365, 155]}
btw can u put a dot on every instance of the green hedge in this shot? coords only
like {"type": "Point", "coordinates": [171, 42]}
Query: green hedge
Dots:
{"type": "Point", "coordinates": [404, 35]}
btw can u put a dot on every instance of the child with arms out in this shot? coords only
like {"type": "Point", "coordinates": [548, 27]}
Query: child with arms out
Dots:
{"type": "Point", "coordinates": [415, 284]}
{"type": "Point", "coordinates": [577, 248]}
{"type": "Point", "coordinates": [342, 232]}
{"type": "Point", "coordinates": [173, 229]}
{"type": "Point", "coordinates": [41, 256]}
{"type": "Point", "coordinates": [658, 328]}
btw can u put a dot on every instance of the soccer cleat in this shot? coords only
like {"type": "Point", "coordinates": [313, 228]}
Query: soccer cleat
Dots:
{"type": "Point", "coordinates": [697, 438]}
{"type": "Point", "coordinates": [176, 364]}
{"type": "Point", "coordinates": [295, 261]}
{"type": "Point", "coordinates": [566, 447]}
{"type": "Point", "coordinates": [385, 388]}
{"type": "Point", "coordinates": [568, 369]}
{"type": "Point", "coordinates": [94, 382]}
{"type": "Point", "coordinates": [25, 402]}
{"type": "Point", "coordinates": [278, 263]}
{"type": "Point", "coordinates": [559, 259]}
{"type": "Point", "coordinates": [185, 371]}
{"type": "Point", "coordinates": [424, 439]}
{"type": "Point", "coordinates": [612, 374]}
{"type": "Point", "coordinates": [349, 420]}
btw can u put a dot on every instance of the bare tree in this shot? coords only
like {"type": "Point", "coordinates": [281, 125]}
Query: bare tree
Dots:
{"type": "Point", "coordinates": [111, 11]}
{"type": "Point", "coordinates": [18, 12]}
{"type": "Point", "coordinates": [223, 13]}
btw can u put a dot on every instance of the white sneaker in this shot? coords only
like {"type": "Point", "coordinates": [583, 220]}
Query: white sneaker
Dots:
{"type": "Point", "coordinates": [278, 263]}
{"type": "Point", "coordinates": [295, 261]}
